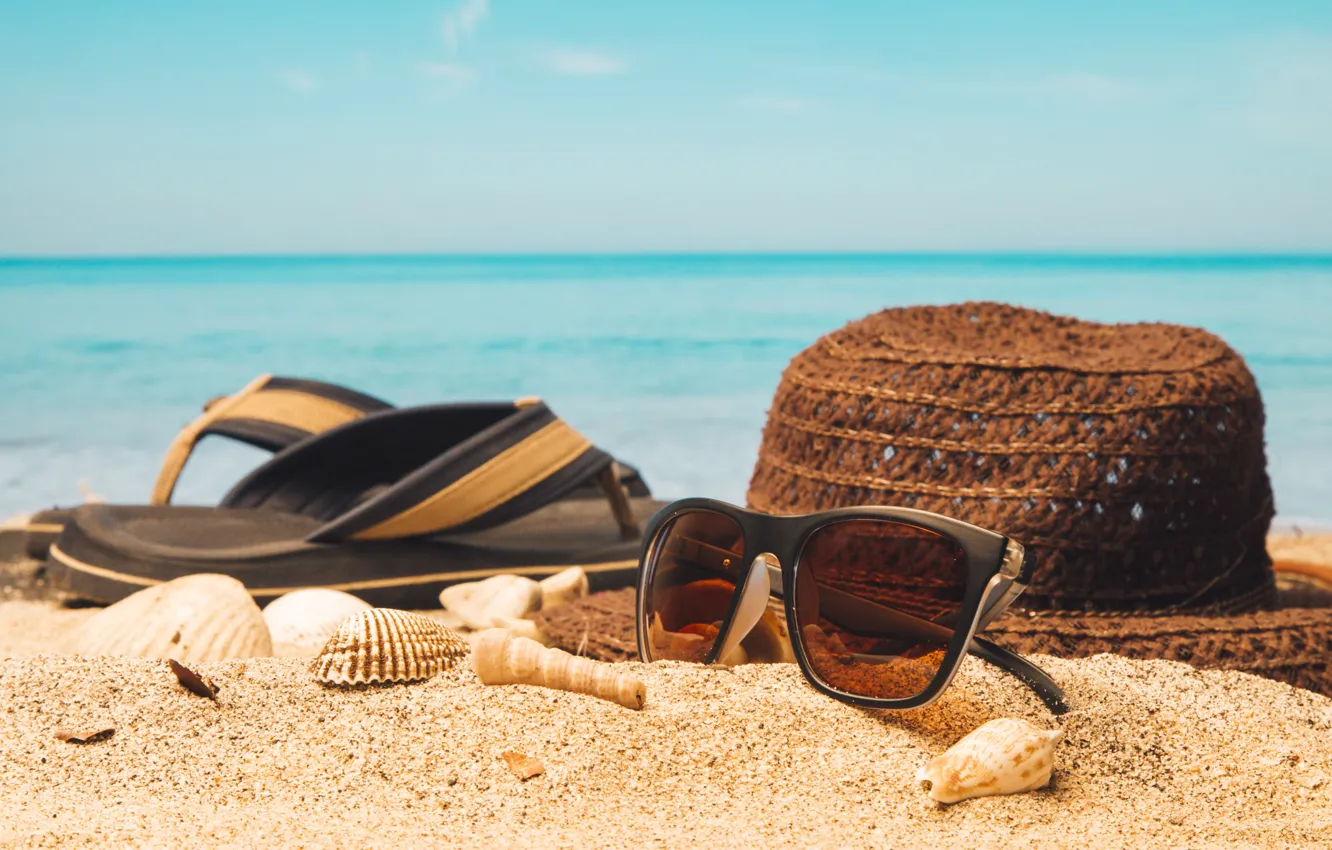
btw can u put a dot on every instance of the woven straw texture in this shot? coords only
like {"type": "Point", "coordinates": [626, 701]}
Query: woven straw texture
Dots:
{"type": "Point", "coordinates": [1129, 457]}
{"type": "Point", "coordinates": [1292, 645]}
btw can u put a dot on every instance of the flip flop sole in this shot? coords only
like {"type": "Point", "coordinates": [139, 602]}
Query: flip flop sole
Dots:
{"type": "Point", "coordinates": [108, 552]}
{"type": "Point", "coordinates": [45, 526]}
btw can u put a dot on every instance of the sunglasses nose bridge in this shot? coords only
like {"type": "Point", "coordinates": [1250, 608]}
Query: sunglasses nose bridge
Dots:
{"type": "Point", "coordinates": [753, 602]}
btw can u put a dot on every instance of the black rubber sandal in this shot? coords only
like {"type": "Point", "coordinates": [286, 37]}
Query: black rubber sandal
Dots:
{"type": "Point", "coordinates": [392, 507]}
{"type": "Point", "coordinates": [270, 413]}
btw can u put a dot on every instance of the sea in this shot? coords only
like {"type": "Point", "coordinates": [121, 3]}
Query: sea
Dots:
{"type": "Point", "coordinates": [669, 362]}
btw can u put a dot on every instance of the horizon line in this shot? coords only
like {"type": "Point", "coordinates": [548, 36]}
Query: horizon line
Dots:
{"type": "Point", "coordinates": [960, 254]}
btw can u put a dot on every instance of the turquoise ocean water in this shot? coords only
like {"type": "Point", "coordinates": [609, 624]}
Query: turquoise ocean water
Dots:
{"type": "Point", "coordinates": [669, 362]}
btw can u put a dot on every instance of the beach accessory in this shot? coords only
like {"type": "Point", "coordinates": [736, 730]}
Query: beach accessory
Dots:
{"type": "Point", "coordinates": [1128, 458]}
{"type": "Point", "coordinates": [882, 604]}
{"type": "Point", "coordinates": [392, 507]}
{"type": "Point", "coordinates": [270, 413]}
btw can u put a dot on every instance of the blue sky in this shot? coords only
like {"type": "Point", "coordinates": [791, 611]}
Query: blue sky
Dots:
{"type": "Point", "coordinates": [508, 125]}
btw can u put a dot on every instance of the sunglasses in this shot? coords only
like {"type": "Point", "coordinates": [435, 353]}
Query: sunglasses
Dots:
{"type": "Point", "coordinates": [880, 604]}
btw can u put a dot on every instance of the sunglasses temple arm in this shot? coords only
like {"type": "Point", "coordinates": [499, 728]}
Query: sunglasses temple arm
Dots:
{"type": "Point", "coordinates": [1029, 674]}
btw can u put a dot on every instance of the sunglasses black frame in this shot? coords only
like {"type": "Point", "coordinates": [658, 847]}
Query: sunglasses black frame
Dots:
{"type": "Point", "coordinates": [989, 556]}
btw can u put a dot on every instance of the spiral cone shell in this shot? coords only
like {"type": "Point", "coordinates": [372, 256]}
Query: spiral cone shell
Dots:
{"type": "Point", "coordinates": [386, 645]}
{"type": "Point", "coordinates": [1003, 756]}
{"type": "Point", "coordinates": [500, 657]}
{"type": "Point", "coordinates": [196, 618]}
{"type": "Point", "coordinates": [301, 622]}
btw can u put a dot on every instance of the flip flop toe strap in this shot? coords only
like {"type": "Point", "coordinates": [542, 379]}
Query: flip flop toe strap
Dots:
{"type": "Point", "coordinates": [433, 470]}
{"type": "Point", "coordinates": [269, 413]}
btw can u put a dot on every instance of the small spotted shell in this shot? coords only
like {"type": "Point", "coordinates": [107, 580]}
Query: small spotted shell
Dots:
{"type": "Point", "coordinates": [1003, 756]}
{"type": "Point", "coordinates": [386, 645]}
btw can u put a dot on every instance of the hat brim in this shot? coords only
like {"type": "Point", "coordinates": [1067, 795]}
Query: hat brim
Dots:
{"type": "Point", "coordinates": [1292, 643]}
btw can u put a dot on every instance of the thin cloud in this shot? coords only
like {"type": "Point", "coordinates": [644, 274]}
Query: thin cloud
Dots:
{"type": "Point", "coordinates": [1076, 87]}
{"type": "Point", "coordinates": [1286, 88]}
{"type": "Point", "coordinates": [1086, 87]}
{"type": "Point", "coordinates": [583, 63]}
{"type": "Point", "coordinates": [453, 73]}
{"type": "Point", "coordinates": [1072, 86]}
{"type": "Point", "coordinates": [446, 78]}
{"type": "Point", "coordinates": [459, 24]}
{"type": "Point", "coordinates": [769, 103]}
{"type": "Point", "coordinates": [298, 80]}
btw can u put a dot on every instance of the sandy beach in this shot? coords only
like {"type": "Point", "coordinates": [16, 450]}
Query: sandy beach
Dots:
{"type": "Point", "coordinates": [1155, 754]}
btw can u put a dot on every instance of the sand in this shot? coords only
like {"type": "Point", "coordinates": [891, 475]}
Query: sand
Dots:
{"type": "Point", "coordinates": [1155, 754]}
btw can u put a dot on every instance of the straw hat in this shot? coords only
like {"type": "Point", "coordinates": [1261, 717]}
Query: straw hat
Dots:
{"type": "Point", "coordinates": [1128, 457]}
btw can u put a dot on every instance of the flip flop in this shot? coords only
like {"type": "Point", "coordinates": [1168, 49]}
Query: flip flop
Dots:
{"type": "Point", "coordinates": [270, 413]}
{"type": "Point", "coordinates": [393, 507]}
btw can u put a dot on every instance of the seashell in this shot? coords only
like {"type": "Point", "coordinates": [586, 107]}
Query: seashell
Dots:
{"type": "Point", "coordinates": [386, 645]}
{"type": "Point", "coordinates": [517, 598]}
{"type": "Point", "coordinates": [204, 617]}
{"type": "Point", "coordinates": [457, 594]}
{"type": "Point", "coordinates": [501, 658]}
{"type": "Point", "coordinates": [564, 587]}
{"type": "Point", "coordinates": [517, 628]}
{"type": "Point", "coordinates": [768, 642]}
{"type": "Point", "coordinates": [446, 617]}
{"type": "Point", "coordinates": [523, 767]}
{"type": "Point", "coordinates": [734, 658]}
{"type": "Point", "coordinates": [522, 628]}
{"type": "Point", "coordinates": [1004, 756]}
{"type": "Point", "coordinates": [479, 603]}
{"type": "Point", "coordinates": [302, 621]}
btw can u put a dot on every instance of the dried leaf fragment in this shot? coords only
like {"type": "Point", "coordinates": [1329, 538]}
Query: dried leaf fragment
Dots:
{"type": "Point", "coordinates": [88, 734]}
{"type": "Point", "coordinates": [195, 683]}
{"type": "Point", "coordinates": [523, 767]}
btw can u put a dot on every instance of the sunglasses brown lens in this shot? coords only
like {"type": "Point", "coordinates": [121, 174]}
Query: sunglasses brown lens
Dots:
{"type": "Point", "coordinates": [694, 569]}
{"type": "Point", "coordinates": [876, 603]}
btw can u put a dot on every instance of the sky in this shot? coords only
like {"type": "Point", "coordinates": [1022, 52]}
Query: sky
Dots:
{"type": "Point", "coordinates": [492, 126]}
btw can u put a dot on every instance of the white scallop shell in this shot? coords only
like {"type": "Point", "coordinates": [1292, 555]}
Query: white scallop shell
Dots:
{"type": "Point", "coordinates": [387, 645]}
{"type": "Point", "coordinates": [302, 621]}
{"type": "Point", "coordinates": [203, 617]}
{"type": "Point", "coordinates": [1004, 756]}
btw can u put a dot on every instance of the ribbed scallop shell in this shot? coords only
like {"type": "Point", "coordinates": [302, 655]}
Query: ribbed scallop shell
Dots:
{"type": "Point", "coordinates": [302, 621]}
{"type": "Point", "coordinates": [1004, 756]}
{"type": "Point", "coordinates": [202, 617]}
{"type": "Point", "coordinates": [387, 645]}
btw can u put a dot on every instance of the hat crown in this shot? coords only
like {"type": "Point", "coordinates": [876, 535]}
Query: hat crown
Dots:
{"type": "Point", "coordinates": [999, 335]}
{"type": "Point", "coordinates": [1129, 457]}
